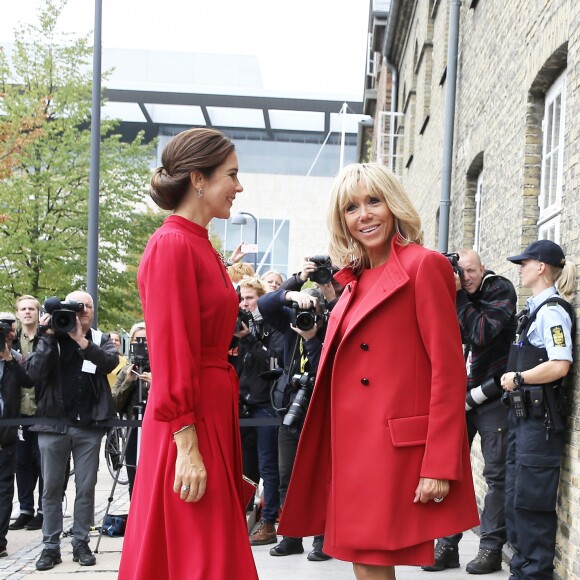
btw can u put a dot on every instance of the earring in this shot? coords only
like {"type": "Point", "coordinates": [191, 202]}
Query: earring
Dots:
{"type": "Point", "coordinates": [199, 192]}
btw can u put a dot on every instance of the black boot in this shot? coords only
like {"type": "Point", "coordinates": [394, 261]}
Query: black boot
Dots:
{"type": "Point", "coordinates": [486, 562]}
{"type": "Point", "coordinates": [446, 556]}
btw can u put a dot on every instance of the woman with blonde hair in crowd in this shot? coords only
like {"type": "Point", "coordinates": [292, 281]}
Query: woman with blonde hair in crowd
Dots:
{"type": "Point", "coordinates": [388, 404]}
{"type": "Point", "coordinates": [272, 279]}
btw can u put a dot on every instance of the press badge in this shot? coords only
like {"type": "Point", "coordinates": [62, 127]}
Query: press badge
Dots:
{"type": "Point", "coordinates": [558, 336]}
{"type": "Point", "coordinates": [89, 367]}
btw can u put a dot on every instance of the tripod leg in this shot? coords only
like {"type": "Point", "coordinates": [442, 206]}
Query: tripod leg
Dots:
{"type": "Point", "coordinates": [115, 480]}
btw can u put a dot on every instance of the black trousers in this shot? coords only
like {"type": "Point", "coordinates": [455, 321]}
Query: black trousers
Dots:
{"type": "Point", "coordinates": [532, 477]}
{"type": "Point", "coordinates": [288, 438]}
{"type": "Point", "coordinates": [490, 420]}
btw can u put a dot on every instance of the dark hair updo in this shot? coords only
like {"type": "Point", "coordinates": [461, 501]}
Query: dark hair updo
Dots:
{"type": "Point", "coordinates": [198, 149]}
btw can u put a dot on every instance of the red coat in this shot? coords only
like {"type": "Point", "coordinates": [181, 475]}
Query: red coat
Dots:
{"type": "Point", "coordinates": [387, 408]}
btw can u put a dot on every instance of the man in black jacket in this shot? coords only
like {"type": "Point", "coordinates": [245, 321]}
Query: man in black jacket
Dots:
{"type": "Point", "coordinates": [70, 371]}
{"type": "Point", "coordinates": [258, 344]}
{"type": "Point", "coordinates": [486, 305]}
{"type": "Point", "coordinates": [302, 349]}
{"type": "Point", "coordinates": [12, 379]}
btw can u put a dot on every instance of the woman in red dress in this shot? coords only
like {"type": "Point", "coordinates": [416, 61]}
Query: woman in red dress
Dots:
{"type": "Point", "coordinates": [386, 424]}
{"type": "Point", "coordinates": [186, 520]}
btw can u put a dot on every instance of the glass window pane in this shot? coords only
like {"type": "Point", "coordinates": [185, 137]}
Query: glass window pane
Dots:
{"type": "Point", "coordinates": [548, 136]}
{"type": "Point", "coordinates": [557, 113]}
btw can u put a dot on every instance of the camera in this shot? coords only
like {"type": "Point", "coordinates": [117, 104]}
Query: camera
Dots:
{"type": "Point", "coordinates": [303, 319]}
{"type": "Point", "coordinates": [324, 270]}
{"type": "Point", "coordinates": [489, 390]}
{"type": "Point", "coordinates": [454, 261]}
{"type": "Point", "coordinates": [297, 410]}
{"type": "Point", "coordinates": [139, 353]}
{"type": "Point", "coordinates": [5, 329]}
{"type": "Point", "coordinates": [244, 410]}
{"type": "Point", "coordinates": [63, 314]}
{"type": "Point", "coordinates": [244, 318]}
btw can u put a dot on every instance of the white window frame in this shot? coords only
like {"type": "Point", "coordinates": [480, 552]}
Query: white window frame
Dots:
{"type": "Point", "coordinates": [478, 204]}
{"type": "Point", "coordinates": [552, 171]}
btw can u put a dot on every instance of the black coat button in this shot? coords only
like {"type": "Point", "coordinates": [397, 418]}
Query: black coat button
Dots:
{"type": "Point", "coordinates": [365, 382]}
{"type": "Point", "coordinates": [364, 346]}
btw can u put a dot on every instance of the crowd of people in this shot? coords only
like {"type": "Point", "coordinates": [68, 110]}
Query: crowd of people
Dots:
{"type": "Point", "coordinates": [373, 367]}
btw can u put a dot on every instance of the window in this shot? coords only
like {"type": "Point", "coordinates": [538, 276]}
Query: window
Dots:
{"type": "Point", "coordinates": [550, 198]}
{"type": "Point", "coordinates": [478, 196]}
{"type": "Point", "coordinates": [274, 254]}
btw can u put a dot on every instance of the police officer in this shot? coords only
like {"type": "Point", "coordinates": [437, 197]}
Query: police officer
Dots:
{"type": "Point", "coordinates": [539, 360]}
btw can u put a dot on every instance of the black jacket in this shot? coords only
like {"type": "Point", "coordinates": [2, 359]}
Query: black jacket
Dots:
{"type": "Point", "coordinates": [43, 368]}
{"type": "Point", "coordinates": [255, 351]}
{"type": "Point", "coordinates": [488, 326]}
{"type": "Point", "coordinates": [14, 378]}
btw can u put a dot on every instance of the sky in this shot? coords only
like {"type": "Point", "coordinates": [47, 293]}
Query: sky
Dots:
{"type": "Point", "coordinates": [304, 47]}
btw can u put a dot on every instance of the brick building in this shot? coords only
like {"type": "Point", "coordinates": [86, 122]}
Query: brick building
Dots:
{"type": "Point", "coordinates": [516, 151]}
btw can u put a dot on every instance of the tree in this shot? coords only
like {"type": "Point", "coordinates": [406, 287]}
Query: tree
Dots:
{"type": "Point", "coordinates": [45, 195]}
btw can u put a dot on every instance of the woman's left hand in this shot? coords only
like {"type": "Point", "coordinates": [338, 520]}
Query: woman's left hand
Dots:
{"type": "Point", "coordinates": [430, 489]}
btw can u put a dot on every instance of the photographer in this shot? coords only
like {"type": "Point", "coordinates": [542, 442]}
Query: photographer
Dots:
{"type": "Point", "coordinates": [12, 379]}
{"type": "Point", "coordinates": [27, 452]}
{"type": "Point", "coordinates": [69, 369]}
{"type": "Point", "coordinates": [258, 345]}
{"type": "Point", "coordinates": [130, 390]}
{"type": "Point", "coordinates": [486, 305]}
{"type": "Point", "coordinates": [302, 350]}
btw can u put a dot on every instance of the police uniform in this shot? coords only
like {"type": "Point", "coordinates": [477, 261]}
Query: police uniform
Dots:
{"type": "Point", "coordinates": [536, 441]}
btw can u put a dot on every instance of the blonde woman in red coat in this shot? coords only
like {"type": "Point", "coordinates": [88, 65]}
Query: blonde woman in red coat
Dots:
{"type": "Point", "coordinates": [386, 423]}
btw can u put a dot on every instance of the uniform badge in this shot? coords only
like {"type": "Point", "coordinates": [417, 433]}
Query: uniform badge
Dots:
{"type": "Point", "coordinates": [558, 336]}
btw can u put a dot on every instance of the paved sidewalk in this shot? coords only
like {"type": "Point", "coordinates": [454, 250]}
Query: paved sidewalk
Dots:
{"type": "Point", "coordinates": [24, 547]}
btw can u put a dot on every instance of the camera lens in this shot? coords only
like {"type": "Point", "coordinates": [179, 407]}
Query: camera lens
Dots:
{"type": "Point", "coordinates": [305, 320]}
{"type": "Point", "coordinates": [63, 321]}
{"type": "Point", "coordinates": [322, 275]}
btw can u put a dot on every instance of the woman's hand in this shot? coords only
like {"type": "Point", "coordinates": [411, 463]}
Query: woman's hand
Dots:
{"type": "Point", "coordinates": [507, 381]}
{"type": "Point", "coordinates": [429, 489]}
{"type": "Point", "coordinates": [190, 474]}
{"type": "Point", "coordinates": [237, 254]}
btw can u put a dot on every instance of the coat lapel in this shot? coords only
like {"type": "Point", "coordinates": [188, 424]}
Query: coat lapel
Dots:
{"type": "Point", "coordinates": [392, 279]}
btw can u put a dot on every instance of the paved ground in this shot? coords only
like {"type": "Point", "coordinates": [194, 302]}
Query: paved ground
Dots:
{"type": "Point", "coordinates": [24, 547]}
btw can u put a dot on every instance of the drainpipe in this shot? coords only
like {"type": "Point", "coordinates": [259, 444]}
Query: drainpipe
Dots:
{"type": "Point", "coordinates": [448, 124]}
{"type": "Point", "coordinates": [392, 18]}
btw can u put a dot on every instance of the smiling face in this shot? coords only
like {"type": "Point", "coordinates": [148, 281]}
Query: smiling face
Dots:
{"type": "Point", "coordinates": [220, 190]}
{"type": "Point", "coordinates": [370, 222]}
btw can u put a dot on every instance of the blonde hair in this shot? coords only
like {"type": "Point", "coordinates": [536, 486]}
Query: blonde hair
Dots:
{"type": "Point", "coordinates": [137, 326]}
{"type": "Point", "coordinates": [238, 270]}
{"type": "Point", "coordinates": [269, 273]}
{"type": "Point", "coordinates": [253, 282]}
{"type": "Point", "coordinates": [381, 183]}
{"type": "Point", "coordinates": [564, 279]}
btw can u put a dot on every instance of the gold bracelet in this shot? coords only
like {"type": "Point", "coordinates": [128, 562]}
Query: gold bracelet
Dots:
{"type": "Point", "coordinates": [183, 429]}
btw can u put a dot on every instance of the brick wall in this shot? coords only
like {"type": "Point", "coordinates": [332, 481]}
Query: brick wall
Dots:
{"type": "Point", "coordinates": [509, 54]}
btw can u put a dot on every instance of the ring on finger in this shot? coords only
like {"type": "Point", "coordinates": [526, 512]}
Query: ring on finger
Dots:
{"type": "Point", "coordinates": [185, 488]}
{"type": "Point", "coordinates": [437, 499]}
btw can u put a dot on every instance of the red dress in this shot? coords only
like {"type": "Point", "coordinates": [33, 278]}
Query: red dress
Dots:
{"type": "Point", "coordinates": [190, 308]}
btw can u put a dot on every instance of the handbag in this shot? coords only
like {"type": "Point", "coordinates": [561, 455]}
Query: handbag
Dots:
{"type": "Point", "coordinates": [114, 525]}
